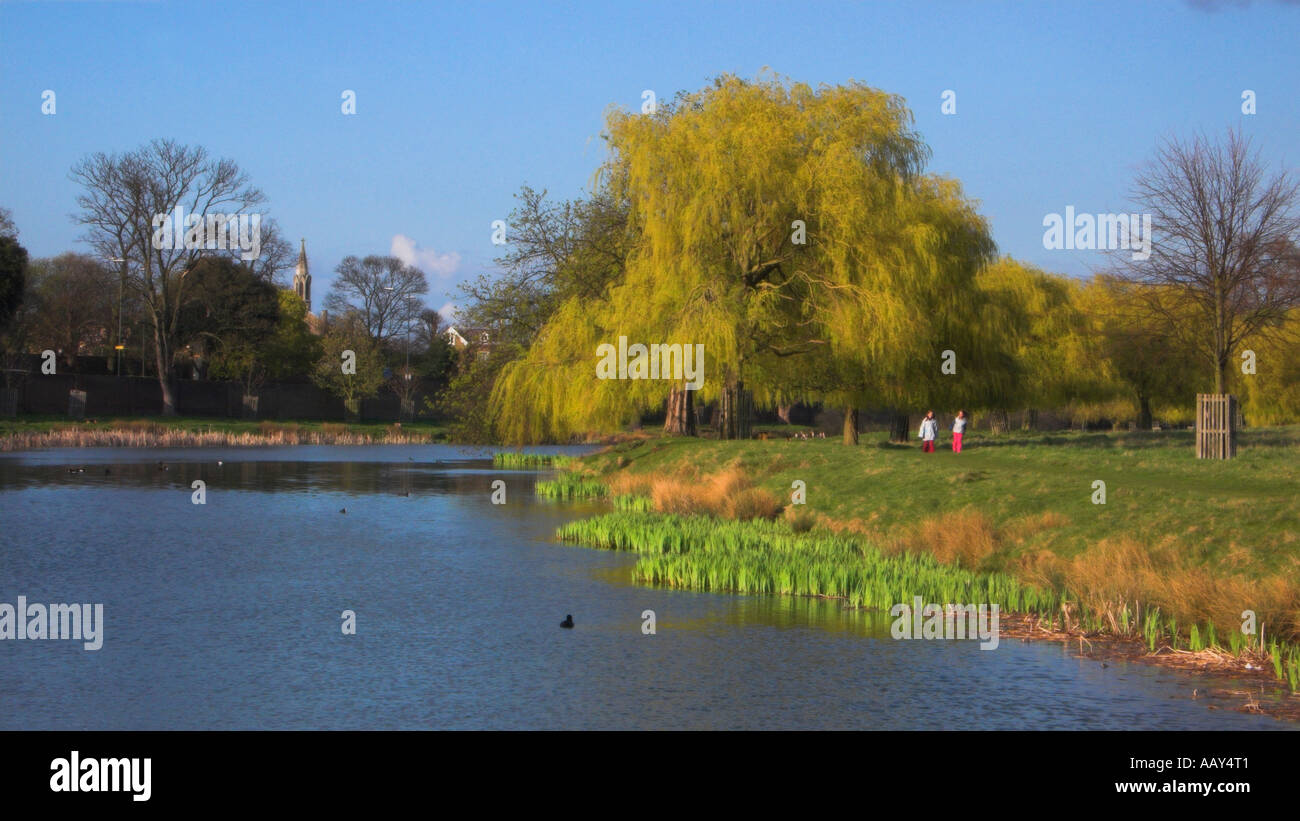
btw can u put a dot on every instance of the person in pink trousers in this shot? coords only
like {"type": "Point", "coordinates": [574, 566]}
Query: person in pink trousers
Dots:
{"type": "Point", "coordinates": [958, 428]}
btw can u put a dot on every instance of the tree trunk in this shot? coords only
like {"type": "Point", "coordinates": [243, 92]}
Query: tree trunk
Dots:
{"type": "Point", "coordinates": [165, 377]}
{"type": "Point", "coordinates": [1031, 419]}
{"type": "Point", "coordinates": [1144, 413]}
{"type": "Point", "coordinates": [900, 427]}
{"type": "Point", "coordinates": [1001, 421]}
{"type": "Point", "coordinates": [737, 408]}
{"type": "Point", "coordinates": [783, 413]}
{"type": "Point", "coordinates": [850, 426]}
{"type": "Point", "coordinates": [680, 419]}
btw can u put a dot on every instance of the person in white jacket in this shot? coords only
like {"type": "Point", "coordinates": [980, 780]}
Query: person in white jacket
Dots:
{"type": "Point", "coordinates": [929, 429]}
{"type": "Point", "coordinates": [958, 428]}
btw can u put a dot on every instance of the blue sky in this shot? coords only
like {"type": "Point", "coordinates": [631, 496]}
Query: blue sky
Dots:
{"type": "Point", "coordinates": [1058, 103]}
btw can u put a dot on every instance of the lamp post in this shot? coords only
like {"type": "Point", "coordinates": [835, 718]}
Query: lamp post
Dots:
{"type": "Point", "coordinates": [409, 297]}
{"type": "Point", "coordinates": [118, 345]}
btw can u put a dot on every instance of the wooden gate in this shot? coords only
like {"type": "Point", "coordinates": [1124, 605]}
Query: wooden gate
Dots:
{"type": "Point", "coordinates": [1216, 426]}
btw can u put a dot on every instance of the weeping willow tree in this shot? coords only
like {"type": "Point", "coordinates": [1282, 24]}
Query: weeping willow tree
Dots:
{"type": "Point", "coordinates": [786, 229]}
{"type": "Point", "coordinates": [908, 325]}
{"type": "Point", "coordinates": [1141, 361]}
{"type": "Point", "coordinates": [1058, 358]}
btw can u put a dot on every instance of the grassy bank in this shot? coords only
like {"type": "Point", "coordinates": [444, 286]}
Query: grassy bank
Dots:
{"type": "Point", "coordinates": [1177, 552]}
{"type": "Point", "coordinates": [187, 431]}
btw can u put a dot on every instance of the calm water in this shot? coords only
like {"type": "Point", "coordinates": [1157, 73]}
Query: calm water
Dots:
{"type": "Point", "coordinates": [227, 615]}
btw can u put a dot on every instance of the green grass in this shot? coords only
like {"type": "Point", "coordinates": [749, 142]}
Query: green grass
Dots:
{"type": "Point", "coordinates": [1241, 511]}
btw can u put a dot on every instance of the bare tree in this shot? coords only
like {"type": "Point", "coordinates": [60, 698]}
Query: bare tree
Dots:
{"type": "Point", "coordinates": [556, 250]}
{"type": "Point", "coordinates": [1223, 239]}
{"type": "Point", "coordinates": [426, 330]}
{"type": "Point", "coordinates": [377, 289]}
{"type": "Point", "coordinates": [123, 193]}
{"type": "Point", "coordinates": [7, 227]}
{"type": "Point", "coordinates": [277, 256]}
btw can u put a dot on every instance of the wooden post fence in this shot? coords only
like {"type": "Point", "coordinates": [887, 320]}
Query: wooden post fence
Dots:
{"type": "Point", "coordinates": [1216, 426]}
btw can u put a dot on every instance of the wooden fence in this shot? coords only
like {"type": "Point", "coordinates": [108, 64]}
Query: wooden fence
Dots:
{"type": "Point", "coordinates": [1216, 426]}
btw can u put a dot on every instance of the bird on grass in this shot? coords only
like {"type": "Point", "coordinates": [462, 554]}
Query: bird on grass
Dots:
{"type": "Point", "coordinates": [568, 621]}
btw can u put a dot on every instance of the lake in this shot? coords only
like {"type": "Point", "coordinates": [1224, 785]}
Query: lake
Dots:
{"type": "Point", "coordinates": [227, 615]}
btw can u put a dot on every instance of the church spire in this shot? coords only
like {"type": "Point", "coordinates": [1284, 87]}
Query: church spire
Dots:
{"type": "Point", "coordinates": [301, 278]}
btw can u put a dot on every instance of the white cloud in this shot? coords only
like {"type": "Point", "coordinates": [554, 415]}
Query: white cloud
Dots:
{"type": "Point", "coordinates": [448, 311]}
{"type": "Point", "coordinates": [426, 259]}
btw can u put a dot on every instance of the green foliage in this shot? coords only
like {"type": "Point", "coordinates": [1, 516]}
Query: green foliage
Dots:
{"type": "Point", "coordinates": [467, 399]}
{"type": "Point", "coordinates": [1271, 395]}
{"type": "Point", "coordinates": [290, 349]}
{"type": "Point", "coordinates": [859, 307]}
{"type": "Point", "coordinates": [1056, 358]}
{"type": "Point", "coordinates": [350, 334]}
{"type": "Point", "coordinates": [70, 304]}
{"type": "Point", "coordinates": [1146, 365]}
{"type": "Point", "coordinates": [13, 272]}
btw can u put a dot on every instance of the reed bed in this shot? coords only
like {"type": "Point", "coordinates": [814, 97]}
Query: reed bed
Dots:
{"type": "Point", "coordinates": [571, 486]}
{"type": "Point", "coordinates": [161, 436]}
{"type": "Point", "coordinates": [760, 556]}
{"type": "Point", "coordinates": [633, 503]}
{"type": "Point", "coordinates": [524, 461]}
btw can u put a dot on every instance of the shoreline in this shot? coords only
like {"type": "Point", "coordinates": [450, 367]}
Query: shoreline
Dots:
{"type": "Point", "coordinates": [727, 550]}
{"type": "Point", "coordinates": [1277, 702]}
{"type": "Point", "coordinates": [122, 438]}
{"type": "Point", "coordinates": [198, 432]}
{"type": "Point", "coordinates": [1273, 698]}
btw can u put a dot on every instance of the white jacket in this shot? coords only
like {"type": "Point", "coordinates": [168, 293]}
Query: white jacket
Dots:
{"type": "Point", "coordinates": [929, 427]}
{"type": "Point", "coordinates": [958, 425]}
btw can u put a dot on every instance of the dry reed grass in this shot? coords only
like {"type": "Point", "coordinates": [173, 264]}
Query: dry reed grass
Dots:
{"type": "Point", "coordinates": [145, 434]}
{"type": "Point", "coordinates": [729, 493]}
{"type": "Point", "coordinates": [1120, 572]}
{"type": "Point", "coordinates": [965, 538]}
